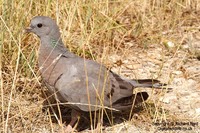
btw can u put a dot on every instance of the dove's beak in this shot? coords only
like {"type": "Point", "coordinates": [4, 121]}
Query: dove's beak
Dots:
{"type": "Point", "coordinates": [28, 29]}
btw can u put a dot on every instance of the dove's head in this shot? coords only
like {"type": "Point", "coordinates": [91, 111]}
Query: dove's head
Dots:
{"type": "Point", "coordinates": [44, 26]}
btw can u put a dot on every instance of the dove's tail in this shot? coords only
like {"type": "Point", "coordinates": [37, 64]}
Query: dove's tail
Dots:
{"type": "Point", "coordinates": [152, 83]}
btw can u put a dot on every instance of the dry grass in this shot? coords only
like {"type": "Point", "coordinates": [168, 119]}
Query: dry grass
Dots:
{"type": "Point", "coordinates": [95, 29]}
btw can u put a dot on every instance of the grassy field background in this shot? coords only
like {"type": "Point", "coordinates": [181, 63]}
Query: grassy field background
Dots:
{"type": "Point", "coordinates": [107, 31]}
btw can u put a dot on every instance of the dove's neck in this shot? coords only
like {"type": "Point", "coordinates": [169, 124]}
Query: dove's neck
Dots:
{"type": "Point", "coordinates": [50, 52]}
{"type": "Point", "coordinates": [50, 49]}
{"type": "Point", "coordinates": [51, 45]}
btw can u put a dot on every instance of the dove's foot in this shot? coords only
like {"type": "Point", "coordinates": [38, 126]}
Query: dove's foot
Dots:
{"type": "Point", "coordinates": [68, 129]}
{"type": "Point", "coordinates": [74, 118]}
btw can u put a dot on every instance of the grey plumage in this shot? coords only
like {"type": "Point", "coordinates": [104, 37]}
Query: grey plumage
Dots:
{"type": "Point", "coordinates": [77, 80]}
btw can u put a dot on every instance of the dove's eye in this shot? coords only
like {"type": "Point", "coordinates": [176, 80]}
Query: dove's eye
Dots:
{"type": "Point", "coordinates": [39, 25]}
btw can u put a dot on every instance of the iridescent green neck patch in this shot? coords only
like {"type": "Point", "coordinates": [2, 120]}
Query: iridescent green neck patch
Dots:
{"type": "Point", "coordinates": [54, 42]}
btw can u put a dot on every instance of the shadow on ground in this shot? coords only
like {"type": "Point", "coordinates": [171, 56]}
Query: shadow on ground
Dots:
{"type": "Point", "coordinates": [109, 118]}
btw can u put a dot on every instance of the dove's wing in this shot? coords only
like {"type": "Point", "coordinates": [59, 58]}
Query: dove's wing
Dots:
{"type": "Point", "coordinates": [82, 82]}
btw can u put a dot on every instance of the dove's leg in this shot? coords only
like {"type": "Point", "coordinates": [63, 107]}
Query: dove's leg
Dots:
{"type": "Point", "coordinates": [74, 117]}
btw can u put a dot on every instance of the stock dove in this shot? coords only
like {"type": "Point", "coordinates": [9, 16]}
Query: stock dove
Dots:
{"type": "Point", "coordinates": [85, 83]}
